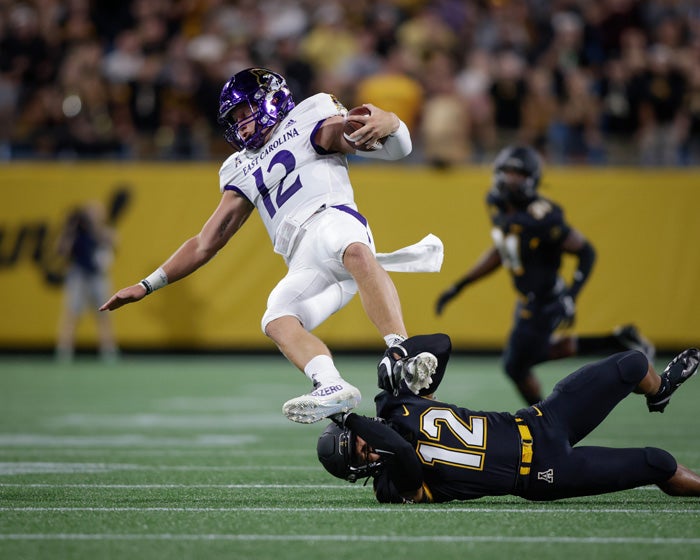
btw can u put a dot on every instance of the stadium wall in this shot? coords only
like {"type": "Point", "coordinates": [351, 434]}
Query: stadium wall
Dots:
{"type": "Point", "coordinates": [643, 222]}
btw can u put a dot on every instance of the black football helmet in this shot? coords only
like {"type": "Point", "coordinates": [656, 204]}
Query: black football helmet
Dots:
{"type": "Point", "coordinates": [268, 97]}
{"type": "Point", "coordinates": [336, 451]}
{"type": "Point", "coordinates": [525, 162]}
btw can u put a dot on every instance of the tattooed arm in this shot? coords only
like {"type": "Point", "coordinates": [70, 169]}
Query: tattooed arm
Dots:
{"type": "Point", "coordinates": [227, 219]}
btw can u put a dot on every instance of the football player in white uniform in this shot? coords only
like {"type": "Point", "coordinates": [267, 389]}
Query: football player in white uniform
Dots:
{"type": "Point", "coordinates": [290, 163]}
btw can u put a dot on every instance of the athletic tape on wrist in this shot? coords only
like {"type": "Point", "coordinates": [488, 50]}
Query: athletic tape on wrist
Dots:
{"type": "Point", "coordinates": [155, 281]}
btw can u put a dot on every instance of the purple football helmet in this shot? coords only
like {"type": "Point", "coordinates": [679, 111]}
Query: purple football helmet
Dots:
{"type": "Point", "coordinates": [268, 97]}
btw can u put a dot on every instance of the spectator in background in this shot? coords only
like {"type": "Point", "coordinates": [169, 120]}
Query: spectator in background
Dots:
{"type": "Point", "coordinates": [86, 243]}
{"type": "Point", "coordinates": [365, 62]}
{"type": "Point", "coordinates": [508, 94]}
{"type": "Point", "coordinates": [320, 47]}
{"type": "Point", "coordinates": [26, 59]}
{"type": "Point", "coordinates": [183, 129]}
{"type": "Point", "coordinates": [620, 18]}
{"type": "Point", "coordinates": [77, 24]}
{"type": "Point", "coordinates": [619, 107]}
{"type": "Point", "coordinates": [122, 64]}
{"type": "Point", "coordinates": [301, 76]}
{"type": "Point", "coordinates": [566, 50]}
{"type": "Point", "coordinates": [692, 108]}
{"type": "Point", "coordinates": [420, 35]}
{"type": "Point", "coordinates": [577, 137]}
{"type": "Point", "coordinates": [663, 123]}
{"type": "Point", "coordinates": [393, 89]}
{"type": "Point", "coordinates": [505, 26]}
{"type": "Point", "coordinates": [473, 82]}
{"type": "Point", "coordinates": [26, 72]}
{"type": "Point", "coordinates": [87, 106]}
{"type": "Point", "coordinates": [39, 130]}
{"type": "Point", "coordinates": [383, 20]}
{"type": "Point", "coordinates": [445, 126]}
{"type": "Point", "coordinates": [540, 110]}
{"type": "Point", "coordinates": [329, 43]}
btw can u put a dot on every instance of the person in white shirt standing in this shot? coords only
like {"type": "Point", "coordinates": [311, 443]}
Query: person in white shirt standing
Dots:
{"type": "Point", "coordinates": [291, 165]}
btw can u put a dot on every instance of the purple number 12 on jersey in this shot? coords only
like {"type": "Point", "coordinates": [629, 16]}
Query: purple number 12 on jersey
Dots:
{"type": "Point", "coordinates": [287, 160]}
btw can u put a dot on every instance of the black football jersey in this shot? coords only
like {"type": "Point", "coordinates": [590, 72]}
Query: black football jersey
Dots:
{"type": "Point", "coordinates": [464, 454]}
{"type": "Point", "coordinates": [529, 241]}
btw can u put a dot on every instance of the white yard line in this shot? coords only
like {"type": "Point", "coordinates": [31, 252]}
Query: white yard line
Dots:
{"type": "Point", "coordinates": [544, 539]}
{"type": "Point", "coordinates": [25, 467]}
{"type": "Point", "coordinates": [586, 509]}
{"type": "Point", "coordinates": [171, 486]}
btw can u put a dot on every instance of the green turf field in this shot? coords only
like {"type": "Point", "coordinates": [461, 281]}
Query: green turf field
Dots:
{"type": "Point", "coordinates": [190, 457]}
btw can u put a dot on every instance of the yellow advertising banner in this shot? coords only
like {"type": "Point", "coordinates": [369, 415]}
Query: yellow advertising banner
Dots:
{"type": "Point", "coordinates": [642, 222]}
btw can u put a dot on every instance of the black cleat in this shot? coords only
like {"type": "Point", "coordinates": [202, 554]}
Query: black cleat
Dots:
{"type": "Point", "coordinates": [629, 337]}
{"type": "Point", "coordinates": [680, 369]}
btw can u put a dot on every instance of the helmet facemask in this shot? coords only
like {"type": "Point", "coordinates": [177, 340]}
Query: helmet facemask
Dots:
{"type": "Point", "coordinates": [519, 187]}
{"type": "Point", "coordinates": [519, 191]}
{"type": "Point", "coordinates": [267, 96]}
{"type": "Point", "coordinates": [336, 451]}
{"type": "Point", "coordinates": [233, 128]}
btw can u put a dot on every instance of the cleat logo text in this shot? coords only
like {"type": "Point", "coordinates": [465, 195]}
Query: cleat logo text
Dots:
{"type": "Point", "coordinates": [325, 391]}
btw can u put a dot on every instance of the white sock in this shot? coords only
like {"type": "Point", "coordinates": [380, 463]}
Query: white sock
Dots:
{"type": "Point", "coordinates": [321, 369]}
{"type": "Point", "coordinates": [393, 339]}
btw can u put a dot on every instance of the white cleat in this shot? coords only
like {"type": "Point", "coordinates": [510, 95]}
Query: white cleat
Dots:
{"type": "Point", "coordinates": [418, 371]}
{"type": "Point", "coordinates": [322, 402]}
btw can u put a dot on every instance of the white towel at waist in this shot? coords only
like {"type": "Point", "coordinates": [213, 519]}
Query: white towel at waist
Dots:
{"type": "Point", "coordinates": [424, 256]}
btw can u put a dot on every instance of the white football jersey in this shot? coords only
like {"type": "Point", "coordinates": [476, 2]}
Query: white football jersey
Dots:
{"type": "Point", "coordinates": [289, 178]}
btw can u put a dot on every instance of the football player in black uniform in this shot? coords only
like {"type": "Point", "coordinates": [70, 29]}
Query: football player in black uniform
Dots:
{"type": "Point", "coordinates": [423, 450]}
{"type": "Point", "coordinates": [530, 236]}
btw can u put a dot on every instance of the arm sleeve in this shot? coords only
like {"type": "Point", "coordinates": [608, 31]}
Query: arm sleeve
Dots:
{"type": "Point", "coordinates": [586, 259]}
{"type": "Point", "coordinates": [397, 145]}
{"type": "Point", "coordinates": [402, 465]}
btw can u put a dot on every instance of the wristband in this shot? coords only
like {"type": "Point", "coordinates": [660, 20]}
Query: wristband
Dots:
{"type": "Point", "coordinates": [155, 281]}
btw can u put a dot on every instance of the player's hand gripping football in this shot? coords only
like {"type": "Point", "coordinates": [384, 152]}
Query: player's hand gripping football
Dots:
{"type": "Point", "coordinates": [367, 127]}
{"type": "Point", "coordinates": [125, 295]}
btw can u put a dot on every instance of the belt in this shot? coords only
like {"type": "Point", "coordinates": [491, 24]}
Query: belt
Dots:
{"type": "Point", "coordinates": [525, 447]}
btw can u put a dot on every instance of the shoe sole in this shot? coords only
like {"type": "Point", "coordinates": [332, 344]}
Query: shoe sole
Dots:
{"type": "Point", "coordinates": [423, 367]}
{"type": "Point", "coordinates": [308, 409]}
{"type": "Point", "coordinates": [690, 354]}
{"type": "Point", "coordinates": [661, 405]}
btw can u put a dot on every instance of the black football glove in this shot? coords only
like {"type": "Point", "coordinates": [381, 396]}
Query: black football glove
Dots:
{"type": "Point", "coordinates": [562, 311]}
{"type": "Point", "coordinates": [390, 369]}
{"type": "Point", "coordinates": [444, 299]}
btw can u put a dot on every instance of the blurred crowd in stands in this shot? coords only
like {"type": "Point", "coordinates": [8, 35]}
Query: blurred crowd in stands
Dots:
{"type": "Point", "coordinates": [585, 81]}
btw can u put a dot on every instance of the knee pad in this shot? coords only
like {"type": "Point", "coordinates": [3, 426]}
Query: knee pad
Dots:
{"type": "Point", "coordinates": [661, 460]}
{"type": "Point", "coordinates": [633, 366]}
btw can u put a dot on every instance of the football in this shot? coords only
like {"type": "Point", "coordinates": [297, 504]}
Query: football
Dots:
{"type": "Point", "coordinates": [352, 125]}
